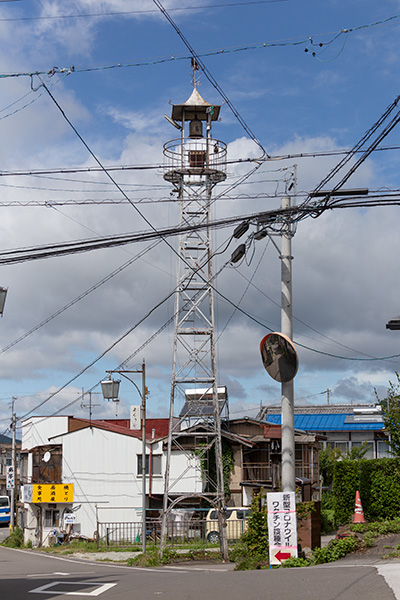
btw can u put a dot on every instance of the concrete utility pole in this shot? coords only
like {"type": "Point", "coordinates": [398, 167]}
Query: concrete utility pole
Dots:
{"type": "Point", "coordinates": [144, 457]}
{"type": "Point", "coordinates": [14, 464]}
{"type": "Point", "coordinates": [288, 446]}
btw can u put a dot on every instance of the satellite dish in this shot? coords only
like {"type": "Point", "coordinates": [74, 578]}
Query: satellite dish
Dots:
{"type": "Point", "coordinates": [279, 357]}
{"type": "Point", "coordinates": [46, 457]}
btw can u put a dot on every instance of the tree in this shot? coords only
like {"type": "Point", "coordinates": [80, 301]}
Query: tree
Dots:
{"type": "Point", "coordinates": [391, 414]}
{"type": "Point", "coordinates": [327, 459]}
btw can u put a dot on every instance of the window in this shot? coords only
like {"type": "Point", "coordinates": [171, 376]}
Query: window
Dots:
{"type": "Point", "coordinates": [243, 514]}
{"type": "Point", "coordinates": [343, 446]}
{"type": "Point", "coordinates": [383, 449]}
{"type": "Point", "coordinates": [155, 464]}
{"type": "Point", "coordinates": [369, 446]}
{"type": "Point", "coordinates": [51, 518]}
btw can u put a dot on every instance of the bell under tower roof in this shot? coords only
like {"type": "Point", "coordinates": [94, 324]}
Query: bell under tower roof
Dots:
{"type": "Point", "coordinates": [194, 107]}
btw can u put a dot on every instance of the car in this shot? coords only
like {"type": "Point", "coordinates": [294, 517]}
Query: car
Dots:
{"type": "Point", "coordinates": [5, 510]}
{"type": "Point", "coordinates": [236, 523]}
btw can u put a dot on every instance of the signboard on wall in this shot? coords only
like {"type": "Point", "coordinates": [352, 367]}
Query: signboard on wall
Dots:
{"type": "Point", "coordinates": [51, 492]}
{"type": "Point", "coordinates": [282, 526]}
{"type": "Point", "coordinates": [69, 518]}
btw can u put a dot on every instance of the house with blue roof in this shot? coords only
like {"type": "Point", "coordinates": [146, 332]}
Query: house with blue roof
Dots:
{"type": "Point", "coordinates": [345, 426]}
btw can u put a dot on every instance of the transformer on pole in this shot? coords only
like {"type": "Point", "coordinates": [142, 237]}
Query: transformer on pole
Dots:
{"type": "Point", "coordinates": [194, 164]}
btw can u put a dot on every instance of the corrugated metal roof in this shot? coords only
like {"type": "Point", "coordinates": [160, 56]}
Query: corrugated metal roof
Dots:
{"type": "Point", "coordinates": [329, 422]}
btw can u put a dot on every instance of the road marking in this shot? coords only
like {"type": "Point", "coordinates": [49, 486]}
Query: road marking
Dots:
{"type": "Point", "coordinates": [58, 573]}
{"type": "Point", "coordinates": [45, 589]}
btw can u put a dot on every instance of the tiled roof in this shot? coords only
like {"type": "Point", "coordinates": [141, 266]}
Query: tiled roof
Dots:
{"type": "Point", "coordinates": [328, 422]}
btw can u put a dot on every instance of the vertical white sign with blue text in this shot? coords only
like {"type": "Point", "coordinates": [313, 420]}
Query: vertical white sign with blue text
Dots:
{"type": "Point", "coordinates": [282, 526]}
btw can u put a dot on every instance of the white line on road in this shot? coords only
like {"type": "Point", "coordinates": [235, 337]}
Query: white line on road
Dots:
{"type": "Point", "coordinates": [45, 589]}
{"type": "Point", "coordinates": [58, 573]}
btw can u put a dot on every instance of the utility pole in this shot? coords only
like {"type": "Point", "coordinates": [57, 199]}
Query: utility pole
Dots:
{"type": "Point", "coordinates": [144, 457]}
{"type": "Point", "coordinates": [287, 388]}
{"type": "Point", "coordinates": [14, 464]}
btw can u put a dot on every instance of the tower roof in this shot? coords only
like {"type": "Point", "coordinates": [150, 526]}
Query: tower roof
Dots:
{"type": "Point", "coordinates": [194, 107]}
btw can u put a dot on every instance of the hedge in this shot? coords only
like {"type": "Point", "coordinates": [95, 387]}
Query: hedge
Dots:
{"type": "Point", "coordinates": [378, 482]}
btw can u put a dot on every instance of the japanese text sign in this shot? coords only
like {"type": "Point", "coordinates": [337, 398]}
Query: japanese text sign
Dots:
{"type": "Point", "coordinates": [282, 526]}
{"type": "Point", "coordinates": [52, 492]}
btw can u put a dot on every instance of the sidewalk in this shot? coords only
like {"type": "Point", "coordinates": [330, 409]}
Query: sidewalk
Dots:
{"type": "Point", "coordinates": [325, 539]}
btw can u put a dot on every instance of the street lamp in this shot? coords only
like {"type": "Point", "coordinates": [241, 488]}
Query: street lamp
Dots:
{"type": "Point", "coordinates": [110, 389]}
{"type": "Point", "coordinates": [3, 295]}
{"type": "Point", "coordinates": [393, 323]}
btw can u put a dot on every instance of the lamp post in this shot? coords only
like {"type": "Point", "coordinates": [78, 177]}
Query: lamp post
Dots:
{"type": "Point", "coordinates": [110, 389]}
{"type": "Point", "coordinates": [3, 295]}
{"type": "Point", "coordinates": [394, 323]}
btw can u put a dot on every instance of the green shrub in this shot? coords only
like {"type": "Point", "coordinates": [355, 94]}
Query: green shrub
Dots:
{"type": "Point", "coordinates": [378, 482]}
{"type": "Point", "coordinates": [252, 563]}
{"type": "Point", "coordinates": [15, 539]}
{"type": "Point", "coordinates": [254, 541]}
{"type": "Point", "coordinates": [345, 484]}
{"type": "Point", "coordinates": [334, 550]}
{"type": "Point", "coordinates": [152, 558]}
{"type": "Point", "coordinates": [369, 539]}
{"type": "Point", "coordinates": [328, 523]}
{"type": "Point", "coordinates": [296, 561]}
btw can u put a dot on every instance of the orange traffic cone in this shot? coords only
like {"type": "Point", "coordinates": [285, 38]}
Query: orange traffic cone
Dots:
{"type": "Point", "coordinates": [358, 511]}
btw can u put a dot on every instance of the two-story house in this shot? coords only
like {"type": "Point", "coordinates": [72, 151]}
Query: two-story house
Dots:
{"type": "Point", "coordinates": [90, 473]}
{"type": "Point", "coordinates": [257, 460]}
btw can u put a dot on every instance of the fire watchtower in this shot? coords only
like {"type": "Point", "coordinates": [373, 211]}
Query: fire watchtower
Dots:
{"type": "Point", "coordinates": [194, 163]}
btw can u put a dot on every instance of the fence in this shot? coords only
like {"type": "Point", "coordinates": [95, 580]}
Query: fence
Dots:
{"type": "Point", "coordinates": [194, 531]}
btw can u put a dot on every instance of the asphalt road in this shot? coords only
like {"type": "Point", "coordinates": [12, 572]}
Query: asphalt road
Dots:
{"type": "Point", "coordinates": [23, 573]}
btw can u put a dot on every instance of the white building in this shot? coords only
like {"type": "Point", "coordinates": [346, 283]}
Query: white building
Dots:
{"type": "Point", "coordinates": [99, 462]}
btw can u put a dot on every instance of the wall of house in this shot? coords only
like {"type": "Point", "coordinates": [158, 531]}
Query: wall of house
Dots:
{"type": "Point", "coordinates": [36, 431]}
{"type": "Point", "coordinates": [236, 478]}
{"type": "Point", "coordinates": [345, 440]}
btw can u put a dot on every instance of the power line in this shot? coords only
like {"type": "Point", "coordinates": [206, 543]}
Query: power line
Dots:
{"type": "Point", "coordinates": [136, 12]}
{"type": "Point", "coordinates": [271, 158]}
{"type": "Point", "coordinates": [78, 298]}
{"type": "Point", "coordinates": [285, 42]}
{"type": "Point", "coordinates": [273, 219]}
{"type": "Point", "coordinates": [115, 343]}
{"type": "Point", "coordinates": [210, 78]}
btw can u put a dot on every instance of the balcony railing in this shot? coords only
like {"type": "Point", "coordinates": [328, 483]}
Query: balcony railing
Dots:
{"type": "Point", "coordinates": [259, 472]}
{"type": "Point", "coordinates": [265, 473]}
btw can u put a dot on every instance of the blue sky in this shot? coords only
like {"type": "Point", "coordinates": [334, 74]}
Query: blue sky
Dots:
{"type": "Point", "coordinates": [307, 78]}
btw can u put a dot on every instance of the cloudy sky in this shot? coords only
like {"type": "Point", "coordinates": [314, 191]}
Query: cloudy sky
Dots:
{"type": "Point", "coordinates": [307, 79]}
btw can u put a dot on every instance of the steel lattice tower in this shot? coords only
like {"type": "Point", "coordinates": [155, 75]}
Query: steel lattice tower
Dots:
{"type": "Point", "coordinates": [194, 164]}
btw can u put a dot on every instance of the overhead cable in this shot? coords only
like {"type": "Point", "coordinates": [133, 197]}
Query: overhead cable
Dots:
{"type": "Point", "coordinates": [210, 78]}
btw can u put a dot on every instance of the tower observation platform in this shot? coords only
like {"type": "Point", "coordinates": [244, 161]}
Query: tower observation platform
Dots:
{"type": "Point", "coordinates": [194, 158]}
